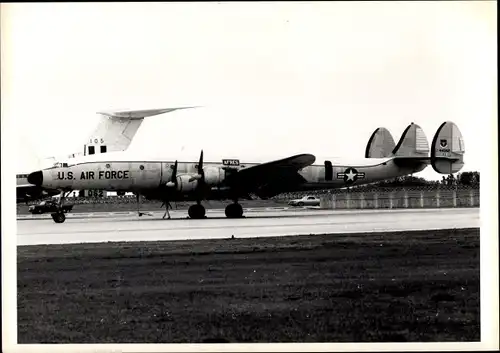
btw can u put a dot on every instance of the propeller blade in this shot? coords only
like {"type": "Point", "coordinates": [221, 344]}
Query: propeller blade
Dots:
{"type": "Point", "coordinates": [200, 163]}
{"type": "Point", "coordinates": [173, 179]}
{"type": "Point", "coordinates": [201, 174]}
{"type": "Point", "coordinates": [174, 173]}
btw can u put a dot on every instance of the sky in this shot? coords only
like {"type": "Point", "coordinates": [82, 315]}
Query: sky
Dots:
{"type": "Point", "coordinates": [273, 79]}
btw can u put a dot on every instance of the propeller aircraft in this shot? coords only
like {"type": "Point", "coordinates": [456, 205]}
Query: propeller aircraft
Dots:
{"type": "Point", "coordinates": [169, 181]}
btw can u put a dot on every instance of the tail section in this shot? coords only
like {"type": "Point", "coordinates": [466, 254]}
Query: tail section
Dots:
{"type": "Point", "coordinates": [447, 149]}
{"type": "Point", "coordinates": [446, 152]}
{"type": "Point", "coordinates": [380, 144]}
{"type": "Point", "coordinates": [117, 129]}
{"type": "Point", "coordinates": [413, 143]}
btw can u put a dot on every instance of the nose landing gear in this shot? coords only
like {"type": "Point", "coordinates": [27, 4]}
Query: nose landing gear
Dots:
{"type": "Point", "coordinates": [59, 216]}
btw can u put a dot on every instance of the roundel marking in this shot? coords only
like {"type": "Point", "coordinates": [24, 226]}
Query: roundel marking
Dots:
{"type": "Point", "coordinates": [350, 175]}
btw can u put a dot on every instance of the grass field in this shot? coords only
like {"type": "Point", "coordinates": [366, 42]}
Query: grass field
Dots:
{"type": "Point", "coordinates": [393, 287]}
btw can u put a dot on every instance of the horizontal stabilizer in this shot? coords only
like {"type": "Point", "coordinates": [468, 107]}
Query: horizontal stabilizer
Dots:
{"type": "Point", "coordinates": [380, 144]}
{"type": "Point", "coordinates": [447, 149]}
{"type": "Point", "coordinates": [413, 143]}
{"type": "Point", "coordinates": [138, 114]}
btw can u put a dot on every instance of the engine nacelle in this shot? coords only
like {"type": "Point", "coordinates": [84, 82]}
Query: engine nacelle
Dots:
{"type": "Point", "coordinates": [184, 185]}
{"type": "Point", "coordinates": [214, 175]}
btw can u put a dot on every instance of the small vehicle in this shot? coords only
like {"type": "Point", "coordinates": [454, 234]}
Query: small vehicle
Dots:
{"type": "Point", "coordinates": [48, 206]}
{"type": "Point", "coordinates": [305, 201]}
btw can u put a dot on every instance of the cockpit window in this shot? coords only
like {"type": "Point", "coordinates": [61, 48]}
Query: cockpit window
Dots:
{"type": "Point", "coordinates": [60, 165]}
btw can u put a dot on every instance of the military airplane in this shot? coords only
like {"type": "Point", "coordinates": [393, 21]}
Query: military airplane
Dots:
{"type": "Point", "coordinates": [169, 180]}
{"type": "Point", "coordinates": [114, 132]}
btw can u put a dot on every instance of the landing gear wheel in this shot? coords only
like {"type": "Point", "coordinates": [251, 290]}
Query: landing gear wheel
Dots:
{"type": "Point", "coordinates": [58, 217]}
{"type": "Point", "coordinates": [234, 210]}
{"type": "Point", "coordinates": [196, 211]}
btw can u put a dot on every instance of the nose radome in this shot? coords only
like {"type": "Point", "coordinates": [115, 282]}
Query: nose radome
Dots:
{"type": "Point", "coordinates": [36, 178]}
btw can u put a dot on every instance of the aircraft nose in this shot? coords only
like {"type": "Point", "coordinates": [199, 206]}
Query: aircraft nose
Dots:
{"type": "Point", "coordinates": [36, 178]}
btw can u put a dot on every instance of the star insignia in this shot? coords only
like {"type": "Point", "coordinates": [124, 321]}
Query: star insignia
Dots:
{"type": "Point", "coordinates": [350, 175]}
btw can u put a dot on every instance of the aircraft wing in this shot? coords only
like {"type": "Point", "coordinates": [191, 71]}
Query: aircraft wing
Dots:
{"type": "Point", "coordinates": [271, 175]}
{"type": "Point", "coordinates": [29, 192]}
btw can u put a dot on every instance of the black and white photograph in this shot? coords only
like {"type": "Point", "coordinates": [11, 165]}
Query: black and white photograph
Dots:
{"type": "Point", "coordinates": [249, 176]}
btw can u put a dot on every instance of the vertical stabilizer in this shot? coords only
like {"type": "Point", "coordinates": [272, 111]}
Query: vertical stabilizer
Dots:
{"type": "Point", "coordinates": [447, 149]}
{"type": "Point", "coordinates": [413, 143]}
{"type": "Point", "coordinates": [380, 144]}
{"type": "Point", "coordinates": [116, 130]}
{"type": "Point", "coordinates": [112, 134]}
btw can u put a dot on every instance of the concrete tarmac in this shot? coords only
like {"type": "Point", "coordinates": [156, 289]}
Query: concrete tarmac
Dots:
{"type": "Point", "coordinates": [257, 223]}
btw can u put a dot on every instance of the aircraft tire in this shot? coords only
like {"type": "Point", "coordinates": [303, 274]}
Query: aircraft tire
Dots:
{"type": "Point", "coordinates": [196, 211]}
{"type": "Point", "coordinates": [58, 217]}
{"type": "Point", "coordinates": [234, 210]}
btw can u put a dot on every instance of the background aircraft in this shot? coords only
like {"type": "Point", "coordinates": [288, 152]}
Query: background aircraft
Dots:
{"type": "Point", "coordinates": [229, 179]}
{"type": "Point", "coordinates": [114, 132]}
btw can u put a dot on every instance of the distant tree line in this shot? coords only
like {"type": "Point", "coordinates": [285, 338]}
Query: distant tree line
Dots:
{"type": "Point", "coordinates": [468, 179]}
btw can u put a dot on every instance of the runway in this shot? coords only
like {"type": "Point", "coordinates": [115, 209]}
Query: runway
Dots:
{"type": "Point", "coordinates": [264, 223]}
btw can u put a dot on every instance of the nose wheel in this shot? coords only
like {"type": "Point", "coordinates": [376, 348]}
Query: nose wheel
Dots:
{"type": "Point", "coordinates": [58, 217]}
{"type": "Point", "coordinates": [234, 210]}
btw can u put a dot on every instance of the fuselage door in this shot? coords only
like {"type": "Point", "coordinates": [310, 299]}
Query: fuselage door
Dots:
{"type": "Point", "coordinates": [328, 171]}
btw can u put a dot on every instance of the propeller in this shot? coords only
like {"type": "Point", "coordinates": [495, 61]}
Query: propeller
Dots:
{"type": "Point", "coordinates": [173, 179]}
{"type": "Point", "coordinates": [201, 173]}
{"type": "Point", "coordinates": [200, 177]}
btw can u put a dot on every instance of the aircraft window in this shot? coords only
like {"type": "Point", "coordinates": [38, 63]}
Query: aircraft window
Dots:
{"type": "Point", "coordinates": [103, 149]}
{"type": "Point", "coordinates": [91, 150]}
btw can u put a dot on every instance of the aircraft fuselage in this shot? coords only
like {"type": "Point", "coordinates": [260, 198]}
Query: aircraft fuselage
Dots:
{"type": "Point", "coordinates": [148, 176]}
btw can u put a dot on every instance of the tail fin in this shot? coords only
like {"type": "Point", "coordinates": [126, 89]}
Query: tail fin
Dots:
{"type": "Point", "coordinates": [117, 129]}
{"type": "Point", "coordinates": [412, 144]}
{"type": "Point", "coordinates": [447, 149]}
{"type": "Point", "coordinates": [380, 144]}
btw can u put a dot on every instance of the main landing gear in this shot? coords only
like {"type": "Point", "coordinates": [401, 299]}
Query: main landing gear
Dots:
{"type": "Point", "coordinates": [234, 210]}
{"type": "Point", "coordinates": [196, 211]}
{"type": "Point", "coordinates": [59, 216]}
